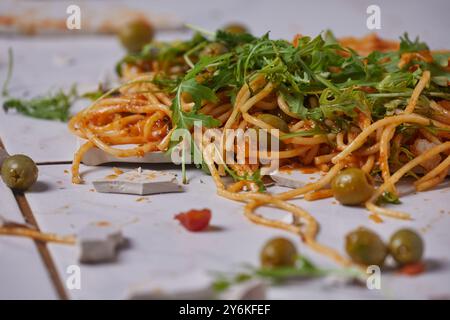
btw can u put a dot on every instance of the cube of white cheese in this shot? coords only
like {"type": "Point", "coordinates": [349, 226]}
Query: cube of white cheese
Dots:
{"type": "Point", "coordinates": [140, 182]}
{"type": "Point", "coordinates": [294, 178]}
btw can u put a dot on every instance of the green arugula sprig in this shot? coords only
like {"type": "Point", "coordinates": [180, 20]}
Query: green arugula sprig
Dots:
{"type": "Point", "coordinates": [303, 268]}
{"type": "Point", "coordinates": [54, 106]}
{"type": "Point", "coordinates": [319, 79]}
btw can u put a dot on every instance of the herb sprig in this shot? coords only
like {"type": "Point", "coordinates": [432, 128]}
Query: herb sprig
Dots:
{"type": "Point", "coordinates": [303, 268]}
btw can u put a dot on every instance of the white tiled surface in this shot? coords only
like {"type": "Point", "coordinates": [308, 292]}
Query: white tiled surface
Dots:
{"type": "Point", "coordinates": [158, 245]}
{"type": "Point", "coordinates": [22, 272]}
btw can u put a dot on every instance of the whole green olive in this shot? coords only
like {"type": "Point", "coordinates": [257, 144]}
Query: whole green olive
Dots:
{"type": "Point", "coordinates": [365, 247]}
{"type": "Point", "coordinates": [213, 49]}
{"type": "Point", "coordinates": [19, 172]}
{"type": "Point", "coordinates": [406, 246]}
{"type": "Point", "coordinates": [278, 252]}
{"type": "Point", "coordinates": [274, 121]}
{"type": "Point", "coordinates": [235, 28]}
{"type": "Point", "coordinates": [135, 35]}
{"type": "Point", "coordinates": [352, 186]}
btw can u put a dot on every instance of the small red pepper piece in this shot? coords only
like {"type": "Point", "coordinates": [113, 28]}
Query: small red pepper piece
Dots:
{"type": "Point", "coordinates": [413, 269]}
{"type": "Point", "coordinates": [194, 220]}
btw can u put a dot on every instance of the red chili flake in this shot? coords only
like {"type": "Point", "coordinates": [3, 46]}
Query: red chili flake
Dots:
{"type": "Point", "coordinates": [412, 269]}
{"type": "Point", "coordinates": [194, 220]}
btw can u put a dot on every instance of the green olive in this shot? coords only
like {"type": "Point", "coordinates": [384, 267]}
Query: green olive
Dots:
{"type": "Point", "coordinates": [278, 252]}
{"type": "Point", "coordinates": [365, 247]}
{"type": "Point", "coordinates": [352, 186]}
{"type": "Point", "coordinates": [213, 49]}
{"type": "Point", "coordinates": [19, 172]}
{"type": "Point", "coordinates": [406, 247]}
{"type": "Point", "coordinates": [235, 28]}
{"type": "Point", "coordinates": [274, 121]}
{"type": "Point", "coordinates": [135, 35]}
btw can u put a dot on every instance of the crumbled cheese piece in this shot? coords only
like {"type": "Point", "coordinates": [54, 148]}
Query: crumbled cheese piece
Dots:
{"type": "Point", "coordinates": [98, 243]}
{"type": "Point", "coordinates": [140, 182]}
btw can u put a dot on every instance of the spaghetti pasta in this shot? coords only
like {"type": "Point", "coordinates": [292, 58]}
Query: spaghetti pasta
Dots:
{"type": "Point", "coordinates": [329, 115]}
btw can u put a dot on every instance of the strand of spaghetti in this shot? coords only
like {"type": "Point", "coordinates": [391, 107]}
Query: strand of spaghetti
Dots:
{"type": "Point", "coordinates": [281, 154]}
{"type": "Point", "coordinates": [257, 122]}
{"type": "Point", "coordinates": [77, 160]}
{"type": "Point", "coordinates": [243, 96]}
{"type": "Point", "coordinates": [319, 194]}
{"type": "Point", "coordinates": [266, 105]}
{"type": "Point", "coordinates": [324, 158]}
{"type": "Point", "coordinates": [285, 108]}
{"type": "Point", "coordinates": [417, 91]}
{"type": "Point", "coordinates": [120, 153]}
{"type": "Point", "coordinates": [255, 200]}
{"type": "Point", "coordinates": [296, 127]}
{"type": "Point", "coordinates": [118, 123]}
{"type": "Point", "coordinates": [389, 132]}
{"type": "Point", "coordinates": [164, 144]}
{"type": "Point", "coordinates": [37, 235]}
{"type": "Point", "coordinates": [430, 183]}
{"type": "Point", "coordinates": [361, 138]}
{"type": "Point", "coordinates": [308, 158]}
{"type": "Point", "coordinates": [308, 236]}
{"type": "Point", "coordinates": [220, 109]}
{"type": "Point", "coordinates": [386, 137]}
{"type": "Point", "coordinates": [340, 141]}
{"type": "Point", "coordinates": [318, 139]}
{"type": "Point", "coordinates": [429, 136]}
{"type": "Point", "coordinates": [257, 97]}
{"type": "Point", "coordinates": [440, 113]}
{"type": "Point", "coordinates": [150, 122]}
{"type": "Point", "coordinates": [368, 165]}
{"type": "Point", "coordinates": [369, 150]}
{"type": "Point", "coordinates": [396, 177]}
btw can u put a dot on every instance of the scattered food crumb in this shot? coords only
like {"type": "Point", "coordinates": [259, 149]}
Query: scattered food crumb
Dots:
{"type": "Point", "coordinates": [117, 171]}
{"type": "Point", "coordinates": [102, 223]}
{"type": "Point", "coordinates": [111, 177]}
{"type": "Point", "coordinates": [92, 190]}
{"type": "Point", "coordinates": [141, 199]}
{"type": "Point", "coordinates": [66, 171]}
{"type": "Point", "coordinates": [376, 218]}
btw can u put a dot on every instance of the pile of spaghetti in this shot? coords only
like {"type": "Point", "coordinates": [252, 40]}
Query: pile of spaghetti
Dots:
{"type": "Point", "coordinates": [381, 106]}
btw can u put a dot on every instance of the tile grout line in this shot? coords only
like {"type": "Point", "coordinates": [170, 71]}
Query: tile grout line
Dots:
{"type": "Point", "coordinates": [27, 213]}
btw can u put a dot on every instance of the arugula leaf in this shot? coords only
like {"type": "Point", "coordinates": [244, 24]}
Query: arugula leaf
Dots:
{"type": "Point", "coordinates": [388, 197]}
{"type": "Point", "coordinates": [198, 92]}
{"type": "Point", "coordinates": [51, 107]}
{"type": "Point", "coordinates": [255, 177]}
{"type": "Point", "coordinates": [232, 40]}
{"type": "Point", "coordinates": [295, 103]}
